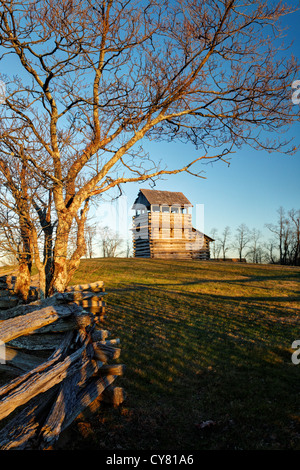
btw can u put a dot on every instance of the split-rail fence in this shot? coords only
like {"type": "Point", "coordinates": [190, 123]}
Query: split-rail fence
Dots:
{"type": "Point", "coordinates": [59, 360]}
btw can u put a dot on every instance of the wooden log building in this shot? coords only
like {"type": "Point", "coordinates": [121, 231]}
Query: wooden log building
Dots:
{"type": "Point", "coordinates": [162, 227]}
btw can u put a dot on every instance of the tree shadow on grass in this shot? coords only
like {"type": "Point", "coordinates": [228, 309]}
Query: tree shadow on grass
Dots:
{"type": "Point", "coordinates": [242, 385]}
{"type": "Point", "coordinates": [193, 358]}
{"type": "Point", "coordinates": [162, 287]}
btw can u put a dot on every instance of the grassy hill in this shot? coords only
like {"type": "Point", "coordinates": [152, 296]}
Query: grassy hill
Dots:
{"type": "Point", "coordinates": [207, 349]}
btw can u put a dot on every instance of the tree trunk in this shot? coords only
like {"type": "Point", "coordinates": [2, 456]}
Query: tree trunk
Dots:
{"type": "Point", "coordinates": [24, 257]}
{"type": "Point", "coordinates": [80, 241]}
{"type": "Point", "coordinates": [64, 268]}
{"type": "Point", "coordinates": [59, 278]}
{"type": "Point", "coordinates": [44, 213]}
{"type": "Point", "coordinates": [22, 285]}
{"type": "Point", "coordinates": [42, 281]}
{"type": "Point", "coordinates": [48, 257]}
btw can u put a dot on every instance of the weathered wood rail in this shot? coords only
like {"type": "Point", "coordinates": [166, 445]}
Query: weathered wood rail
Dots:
{"type": "Point", "coordinates": [59, 355]}
{"type": "Point", "coordinates": [8, 297]}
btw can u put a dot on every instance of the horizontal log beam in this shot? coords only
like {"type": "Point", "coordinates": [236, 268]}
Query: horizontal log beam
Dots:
{"type": "Point", "coordinates": [109, 351]}
{"type": "Point", "coordinates": [94, 287]}
{"type": "Point", "coordinates": [80, 295]}
{"type": "Point", "coordinates": [22, 309]}
{"type": "Point", "coordinates": [90, 303]}
{"type": "Point", "coordinates": [110, 342]}
{"type": "Point", "coordinates": [25, 324]}
{"type": "Point", "coordinates": [37, 342]}
{"type": "Point", "coordinates": [112, 369]}
{"type": "Point", "coordinates": [38, 380]}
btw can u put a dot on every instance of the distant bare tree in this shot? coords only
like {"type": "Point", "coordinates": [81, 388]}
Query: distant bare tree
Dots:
{"type": "Point", "coordinates": [255, 249]}
{"type": "Point", "coordinates": [224, 241]}
{"type": "Point", "coordinates": [90, 234]}
{"type": "Point", "coordinates": [294, 216]}
{"type": "Point", "coordinates": [242, 239]}
{"type": "Point", "coordinates": [287, 236]}
{"type": "Point", "coordinates": [270, 251]}
{"type": "Point", "coordinates": [128, 248]}
{"type": "Point", "coordinates": [215, 245]}
{"type": "Point", "coordinates": [110, 243]}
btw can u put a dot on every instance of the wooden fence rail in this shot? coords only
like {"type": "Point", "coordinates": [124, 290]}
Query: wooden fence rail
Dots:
{"type": "Point", "coordinates": [59, 355]}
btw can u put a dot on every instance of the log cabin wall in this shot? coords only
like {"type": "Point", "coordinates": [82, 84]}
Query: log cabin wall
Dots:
{"type": "Point", "coordinates": [163, 235]}
{"type": "Point", "coordinates": [162, 227]}
{"type": "Point", "coordinates": [200, 243]}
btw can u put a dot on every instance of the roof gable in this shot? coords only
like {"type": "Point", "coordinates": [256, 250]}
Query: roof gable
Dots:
{"type": "Point", "coordinates": [148, 197]}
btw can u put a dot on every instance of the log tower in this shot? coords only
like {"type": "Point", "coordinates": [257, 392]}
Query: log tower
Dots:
{"type": "Point", "coordinates": [162, 227]}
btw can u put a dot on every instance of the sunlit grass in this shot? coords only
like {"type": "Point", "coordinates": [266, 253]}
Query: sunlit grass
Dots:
{"type": "Point", "coordinates": [202, 341]}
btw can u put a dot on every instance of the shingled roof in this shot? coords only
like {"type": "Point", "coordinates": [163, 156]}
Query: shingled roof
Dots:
{"type": "Point", "coordinates": [149, 197]}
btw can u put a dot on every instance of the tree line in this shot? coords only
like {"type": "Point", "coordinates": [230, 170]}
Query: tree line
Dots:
{"type": "Point", "coordinates": [283, 246]}
{"type": "Point", "coordinates": [106, 243]}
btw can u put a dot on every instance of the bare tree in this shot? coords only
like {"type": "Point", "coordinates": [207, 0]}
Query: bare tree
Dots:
{"type": "Point", "coordinates": [224, 241]}
{"type": "Point", "coordinates": [287, 236]}
{"type": "Point", "coordinates": [255, 249]}
{"type": "Point", "coordinates": [28, 204]}
{"type": "Point", "coordinates": [90, 233]}
{"type": "Point", "coordinates": [110, 243]}
{"type": "Point", "coordinates": [270, 251]}
{"type": "Point", "coordinates": [283, 233]}
{"type": "Point", "coordinates": [14, 198]}
{"type": "Point", "coordinates": [295, 225]}
{"type": "Point", "coordinates": [99, 77]}
{"type": "Point", "coordinates": [242, 239]}
{"type": "Point", "coordinates": [215, 245]}
{"type": "Point", "coordinates": [128, 248]}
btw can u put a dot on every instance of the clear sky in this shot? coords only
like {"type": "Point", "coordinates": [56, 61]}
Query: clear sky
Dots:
{"type": "Point", "coordinates": [248, 191]}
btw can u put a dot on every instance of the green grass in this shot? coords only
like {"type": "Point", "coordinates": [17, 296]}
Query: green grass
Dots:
{"type": "Point", "coordinates": [202, 342]}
